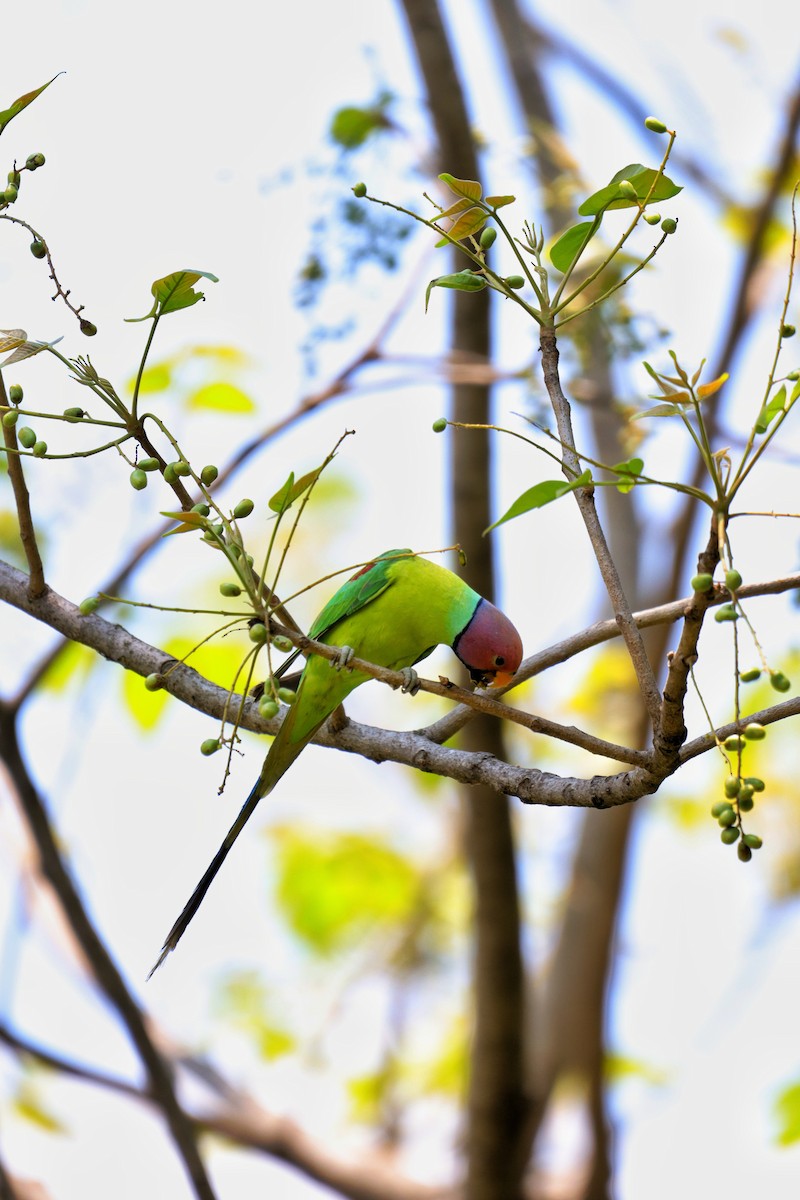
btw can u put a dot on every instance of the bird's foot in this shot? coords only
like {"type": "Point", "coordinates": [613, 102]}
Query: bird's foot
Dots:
{"type": "Point", "coordinates": [343, 656]}
{"type": "Point", "coordinates": [411, 681]}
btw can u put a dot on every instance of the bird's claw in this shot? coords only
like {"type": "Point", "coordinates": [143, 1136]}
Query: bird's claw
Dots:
{"type": "Point", "coordinates": [343, 656]}
{"type": "Point", "coordinates": [411, 681]}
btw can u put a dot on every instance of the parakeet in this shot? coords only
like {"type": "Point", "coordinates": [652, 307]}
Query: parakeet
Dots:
{"type": "Point", "coordinates": [393, 612]}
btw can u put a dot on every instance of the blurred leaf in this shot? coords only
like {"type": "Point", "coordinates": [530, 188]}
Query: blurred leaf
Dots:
{"type": "Point", "coordinates": [155, 379]}
{"type": "Point", "coordinates": [74, 659]}
{"type": "Point", "coordinates": [787, 1114]}
{"type": "Point", "coordinates": [14, 109]}
{"type": "Point", "coordinates": [461, 281]}
{"type": "Point", "coordinates": [770, 411]}
{"type": "Point", "coordinates": [243, 1000]}
{"type": "Point", "coordinates": [446, 1073]}
{"type": "Point", "coordinates": [221, 397]}
{"type": "Point", "coordinates": [332, 887]}
{"type": "Point", "coordinates": [217, 661]}
{"type": "Point", "coordinates": [351, 126]}
{"type": "Point", "coordinates": [641, 178]}
{"type": "Point", "coordinates": [174, 292]}
{"type": "Point", "coordinates": [368, 1093]}
{"type": "Point", "coordinates": [621, 1066]}
{"type": "Point", "coordinates": [563, 252]}
{"type": "Point", "coordinates": [659, 410]}
{"type": "Point", "coordinates": [28, 1104]}
{"type": "Point", "coordinates": [10, 544]}
{"type": "Point", "coordinates": [462, 187]}
{"type": "Point", "coordinates": [541, 494]}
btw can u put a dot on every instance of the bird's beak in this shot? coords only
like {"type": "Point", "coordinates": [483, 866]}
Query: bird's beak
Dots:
{"type": "Point", "coordinates": [502, 679]}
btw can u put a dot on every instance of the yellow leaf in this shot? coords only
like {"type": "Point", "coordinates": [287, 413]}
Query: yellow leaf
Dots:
{"type": "Point", "coordinates": [708, 389]}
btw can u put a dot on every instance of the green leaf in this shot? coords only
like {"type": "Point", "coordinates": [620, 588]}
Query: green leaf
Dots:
{"type": "Point", "coordinates": [462, 281]}
{"type": "Point", "coordinates": [621, 1066]}
{"type": "Point", "coordinates": [787, 1113]}
{"type": "Point", "coordinates": [285, 497]}
{"type": "Point", "coordinates": [770, 411]}
{"type": "Point", "coordinates": [174, 292]}
{"type": "Point", "coordinates": [244, 1001]}
{"type": "Point", "coordinates": [221, 397]}
{"type": "Point", "coordinates": [155, 379]}
{"type": "Point", "coordinates": [333, 887]}
{"type": "Point", "coordinates": [463, 187]}
{"type": "Point", "coordinates": [29, 1105]}
{"type": "Point", "coordinates": [641, 178]}
{"type": "Point", "coordinates": [571, 242]}
{"type": "Point", "coordinates": [630, 470]}
{"type": "Point", "coordinates": [500, 201]}
{"type": "Point", "coordinates": [659, 410]}
{"type": "Point", "coordinates": [189, 522]}
{"type": "Point", "coordinates": [8, 114]}
{"type": "Point", "coordinates": [468, 223]}
{"type": "Point", "coordinates": [541, 494]}
{"type": "Point", "coordinates": [351, 126]}
{"type": "Point", "coordinates": [26, 350]}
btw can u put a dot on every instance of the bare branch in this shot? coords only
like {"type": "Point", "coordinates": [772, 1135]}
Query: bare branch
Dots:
{"type": "Point", "coordinates": [22, 500]}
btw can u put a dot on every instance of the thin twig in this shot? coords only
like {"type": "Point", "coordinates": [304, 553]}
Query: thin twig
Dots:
{"type": "Point", "coordinates": [27, 532]}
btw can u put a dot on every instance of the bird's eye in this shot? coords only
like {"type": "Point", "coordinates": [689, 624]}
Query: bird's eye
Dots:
{"type": "Point", "coordinates": [499, 661]}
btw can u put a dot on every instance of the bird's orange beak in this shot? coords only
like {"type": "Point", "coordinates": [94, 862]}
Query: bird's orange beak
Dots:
{"type": "Point", "coordinates": [502, 679]}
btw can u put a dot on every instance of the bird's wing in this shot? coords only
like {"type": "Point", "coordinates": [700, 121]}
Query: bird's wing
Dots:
{"type": "Point", "coordinates": [358, 591]}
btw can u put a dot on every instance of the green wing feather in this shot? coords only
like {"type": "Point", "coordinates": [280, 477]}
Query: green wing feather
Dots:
{"type": "Point", "coordinates": [362, 587]}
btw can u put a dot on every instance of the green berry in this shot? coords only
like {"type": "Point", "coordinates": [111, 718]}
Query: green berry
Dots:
{"type": "Point", "coordinates": [243, 509]}
{"type": "Point", "coordinates": [702, 582]}
{"type": "Point", "coordinates": [14, 177]}
{"type": "Point", "coordinates": [359, 190]}
{"type": "Point", "coordinates": [755, 783]}
{"type": "Point", "coordinates": [182, 468]}
{"type": "Point", "coordinates": [732, 785]}
{"type": "Point", "coordinates": [776, 678]}
{"type": "Point", "coordinates": [751, 675]}
{"type": "Point", "coordinates": [627, 189]}
{"type": "Point", "coordinates": [201, 508]}
{"type": "Point", "coordinates": [88, 328]}
{"type": "Point", "coordinates": [654, 125]}
{"type": "Point", "coordinates": [729, 835]}
{"type": "Point", "coordinates": [268, 708]}
{"type": "Point", "coordinates": [439, 425]}
{"type": "Point", "coordinates": [726, 613]}
{"type": "Point", "coordinates": [515, 281]}
{"type": "Point", "coordinates": [154, 682]}
{"type": "Point", "coordinates": [138, 479]}
{"type": "Point", "coordinates": [89, 605]}
{"type": "Point", "coordinates": [10, 418]}
{"type": "Point", "coordinates": [15, 393]}
{"type": "Point", "coordinates": [10, 194]}
{"type": "Point", "coordinates": [149, 464]}
{"type": "Point", "coordinates": [209, 474]}
{"type": "Point", "coordinates": [753, 841]}
{"type": "Point", "coordinates": [282, 644]}
{"type": "Point", "coordinates": [209, 746]}
{"type": "Point", "coordinates": [744, 852]}
{"type": "Point", "coordinates": [745, 792]}
{"type": "Point", "coordinates": [230, 589]}
{"type": "Point", "coordinates": [733, 743]}
{"type": "Point", "coordinates": [669, 224]}
{"type": "Point", "coordinates": [40, 449]}
{"type": "Point", "coordinates": [38, 248]}
{"type": "Point", "coordinates": [787, 331]}
{"type": "Point", "coordinates": [720, 807]}
{"type": "Point", "coordinates": [726, 817]}
{"type": "Point", "coordinates": [26, 437]}
{"type": "Point", "coordinates": [258, 632]}
{"type": "Point", "coordinates": [733, 580]}
{"type": "Point", "coordinates": [745, 802]}
{"type": "Point", "coordinates": [170, 474]}
{"type": "Point", "coordinates": [286, 695]}
{"type": "Point", "coordinates": [794, 376]}
{"type": "Point", "coordinates": [488, 237]}
{"type": "Point", "coordinates": [755, 732]}
{"type": "Point", "coordinates": [652, 218]}
{"type": "Point", "coordinates": [34, 160]}
{"type": "Point", "coordinates": [75, 414]}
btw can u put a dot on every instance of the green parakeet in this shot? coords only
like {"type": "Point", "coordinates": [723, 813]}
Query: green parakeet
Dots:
{"type": "Point", "coordinates": [393, 612]}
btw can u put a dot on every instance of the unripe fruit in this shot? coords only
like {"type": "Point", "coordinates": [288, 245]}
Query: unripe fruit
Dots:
{"type": "Point", "coordinates": [201, 508]}
{"type": "Point", "coordinates": [729, 835]}
{"type": "Point", "coordinates": [138, 479]}
{"type": "Point", "coordinates": [34, 160]}
{"type": "Point", "coordinates": [154, 682]}
{"type": "Point", "coordinates": [787, 331]}
{"type": "Point", "coordinates": [40, 449]}
{"type": "Point", "coordinates": [170, 474]}
{"type": "Point", "coordinates": [733, 580]}
{"type": "Point", "coordinates": [88, 328]}
{"type": "Point", "coordinates": [258, 633]}
{"type": "Point", "coordinates": [10, 418]}
{"type": "Point", "coordinates": [282, 644]}
{"type": "Point", "coordinates": [652, 218]}
{"type": "Point", "coordinates": [14, 177]}
{"type": "Point", "coordinates": [794, 376]}
{"type": "Point", "coordinates": [654, 125]}
{"type": "Point", "coordinates": [669, 225]}
{"type": "Point", "coordinates": [720, 807]}
{"type": "Point", "coordinates": [745, 793]}
{"type": "Point", "coordinates": [515, 281]}
{"type": "Point", "coordinates": [230, 589]}
{"type": "Point", "coordinates": [726, 817]}
{"type": "Point", "coordinates": [750, 675]}
{"type": "Point", "coordinates": [627, 189]}
{"type": "Point", "coordinates": [209, 474]}
{"type": "Point", "coordinates": [15, 393]}
{"type": "Point", "coordinates": [38, 248]}
{"type": "Point", "coordinates": [755, 783]}
{"type": "Point", "coordinates": [88, 605]}
{"type": "Point", "coordinates": [75, 414]}
{"type": "Point", "coordinates": [745, 802]}
{"type": "Point", "coordinates": [488, 237]}
{"type": "Point", "coordinates": [744, 852]}
{"type": "Point", "coordinates": [149, 464]}
{"type": "Point", "coordinates": [439, 425]}
{"type": "Point", "coordinates": [726, 613]}
{"type": "Point", "coordinates": [268, 708]}
{"type": "Point", "coordinates": [26, 437]}
{"type": "Point", "coordinates": [182, 468]}
{"type": "Point", "coordinates": [10, 194]}
{"type": "Point", "coordinates": [209, 746]}
{"type": "Point", "coordinates": [777, 678]}
{"type": "Point", "coordinates": [359, 190]}
{"type": "Point", "coordinates": [733, 743]}
{"type": "Point", "coordinates": [243, 509]}
{"type": "Point", "coordinates": [753, 841]}
{"type": "Point", "coordinates": [702, 582]}
{"type": "Point", "coordinates": [286, 695]}
{"type": "Point", "coordinates": [732, 785]}
{"type": "Point", "coordinates": [755, 732]}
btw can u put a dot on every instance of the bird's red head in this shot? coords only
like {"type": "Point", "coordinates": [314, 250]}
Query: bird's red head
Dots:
{"type": "Point", "coordinates": [489, 646]}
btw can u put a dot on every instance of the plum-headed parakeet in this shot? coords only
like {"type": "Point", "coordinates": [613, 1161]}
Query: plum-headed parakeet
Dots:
{"type": "Point", "coordinates": [393, 612]}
